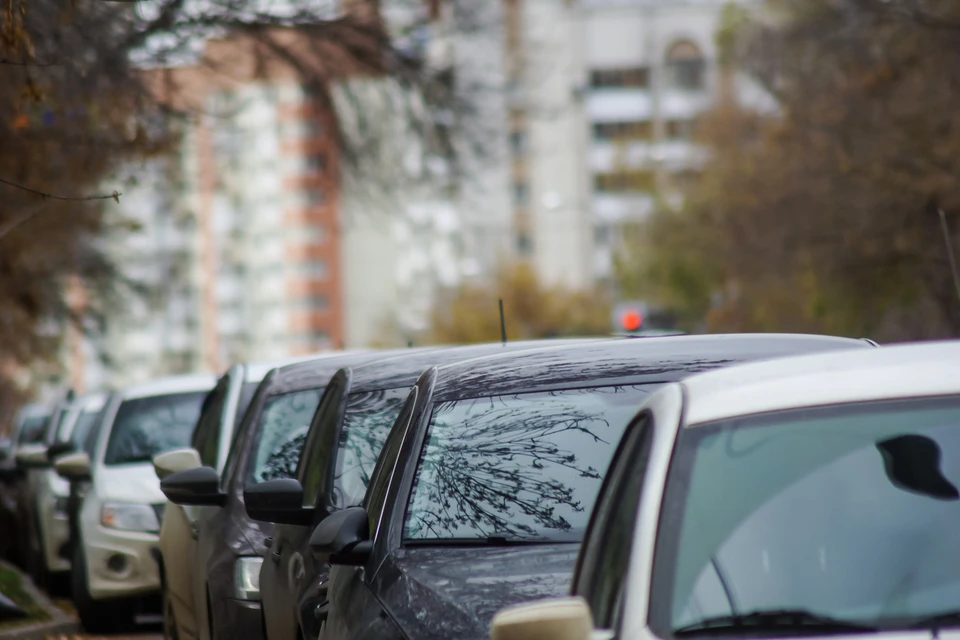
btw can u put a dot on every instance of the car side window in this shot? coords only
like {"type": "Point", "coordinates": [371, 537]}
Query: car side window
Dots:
{"type": "Point", "coordinates": [206, 435]}
{"type": "Point", "coordinates": [318, 451]}
{"type": "Point", "coordinates": [606, 549]}
{"type": "Point", "coordinates": [380, 479]}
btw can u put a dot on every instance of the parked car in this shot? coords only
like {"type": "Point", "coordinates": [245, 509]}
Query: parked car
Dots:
{"type": "Point", "coordinates": [114, 573]}
{"type": "Point", "coordinates": [30, 424]}
{"type": "Point", "coordinates": [230, 546]}
{"type": "Point", "coordinates": [222, 412]}
{"type": "Point", "coordinates": [52, 492]}
{"type": "Point", "coordinates": [360, 405]}
{"type": "Point", "coordinates": [36, 477]}
{"type": "Point", "coordinates": [805, 496]}
{"type": "Point", "coordinates": [485, 485]}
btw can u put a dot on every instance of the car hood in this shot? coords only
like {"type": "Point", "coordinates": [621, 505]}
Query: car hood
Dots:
{"type": "Point", "coordinates": [129, 483]}
{"type": "Point", "coordinates": [447, 592]}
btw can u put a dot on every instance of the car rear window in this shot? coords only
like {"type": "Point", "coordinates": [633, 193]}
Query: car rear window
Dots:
{"type": "Point", "coordinates": [521, 467]}
{"type": "Point", "coordinates": [144, 427]}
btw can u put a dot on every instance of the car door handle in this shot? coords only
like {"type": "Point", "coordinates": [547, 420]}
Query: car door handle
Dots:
{"type": "Point", "coordinates": [194, 530]}
{"type": "Point", "coordinates": [267, 542]}
{"type": "Point", "coordinates": [276, 556]}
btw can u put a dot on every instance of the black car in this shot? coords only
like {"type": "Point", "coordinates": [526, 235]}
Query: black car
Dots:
{"type": "Point", "coordinates": [353, 419]}
{"type": "Point", "coordinates": [266, 445]}
{"type": "Point", "coordinates": [485, 485]}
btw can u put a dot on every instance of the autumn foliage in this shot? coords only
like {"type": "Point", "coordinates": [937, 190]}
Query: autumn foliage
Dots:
{"type": "Point", "coordinates": [828, 214]}
{"type": "Point", "coordinates": [470, 313]}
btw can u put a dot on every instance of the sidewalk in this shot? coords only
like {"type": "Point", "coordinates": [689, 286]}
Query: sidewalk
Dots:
{"type": "Point", "coordinates": [59, 623]}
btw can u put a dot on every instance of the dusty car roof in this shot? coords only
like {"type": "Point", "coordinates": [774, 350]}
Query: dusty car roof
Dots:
{"type": "Point", "coordinates": [899, 371]}
{"type": "Point", "coordinates": [170, 384]}
{"type": "Point", "coordinates": [257, 371]}
{"type": "Point", "coordinates": [627, 361]}
{"type": "Point", "coordinates": [404, 370]}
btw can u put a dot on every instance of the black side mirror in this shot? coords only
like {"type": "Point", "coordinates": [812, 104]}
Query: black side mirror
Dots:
{"type": "Point", "coordinates": [58, 449]}
{"type": "Point", "coordinates": [343, 538]}
{"type": "Point", "coordinates": [199, 487]}
{"type": "Point", "coordinates": [279, 501]}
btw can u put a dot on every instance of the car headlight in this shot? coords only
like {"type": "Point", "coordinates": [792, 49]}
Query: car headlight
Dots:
{"type": "Point", "coordinates": [129, 516]}
{"type": "Point", "coordinates": [246, 578]}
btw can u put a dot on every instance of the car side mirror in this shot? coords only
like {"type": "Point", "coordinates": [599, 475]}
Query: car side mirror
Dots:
{"type": "Point", "coordinates": [32, 456]}
{"type": "Point", "coordinates": [58, 449]}
{"type": "Point", "coordinates": [170, 462]}
{"type": "Point", "coordinates": [554, 619]}
{"type": "Point", "coordinates": [197, 487]}
{"type": "Point", "coordinates": [343, 538]}
{"type": "Point", "coordinates": [279, 501]}
{"type": "Point", "coordinates": [74, 467]}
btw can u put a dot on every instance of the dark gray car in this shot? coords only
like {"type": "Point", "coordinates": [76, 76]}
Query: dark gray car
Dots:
{"type": "Point", "coordinates": [483, 490]}
{"type": "Point", "coordinates": [266, 445]}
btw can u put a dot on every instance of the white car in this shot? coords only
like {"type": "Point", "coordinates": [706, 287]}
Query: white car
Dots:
{"type": "Point", "coordinates": [52, 491]}
{"type": "Point", "coordinates": [814, 495]}
{"type": "Point", "coordinates": [119, 519]}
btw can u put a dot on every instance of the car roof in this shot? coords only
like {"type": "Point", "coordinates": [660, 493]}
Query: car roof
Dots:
{"type": "Point", "coordinates": [316, 373]}
{"type": "Point", "coordinates": [257, 371]}
{"type": "Point", "coordinates": [92, 402]}
{"type": "Point", "coordinates": [897, 371]}
{"type": "Point", "coordinates": [627, 361]}
{"type": "Point", "coordinates": [171, 384]}
{"type": "Point", "coordinates": [404, 370]}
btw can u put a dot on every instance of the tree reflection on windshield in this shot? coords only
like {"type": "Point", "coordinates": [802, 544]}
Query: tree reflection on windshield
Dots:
{"type": "Point", "coordinates": [284, 422]}
{"type": "Point", "coordinates": [522, 466]}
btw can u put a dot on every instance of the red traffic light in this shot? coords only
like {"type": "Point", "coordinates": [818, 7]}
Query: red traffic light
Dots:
{"type": "Point", "coordinates": [631, 320]}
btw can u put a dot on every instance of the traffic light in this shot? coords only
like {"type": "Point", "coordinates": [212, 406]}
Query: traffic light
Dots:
{"type": "Point", "coordinates": [628, 316]}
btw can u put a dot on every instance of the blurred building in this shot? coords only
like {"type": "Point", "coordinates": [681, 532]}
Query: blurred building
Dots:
{"type": "Point", "coordinates": [603, 98]}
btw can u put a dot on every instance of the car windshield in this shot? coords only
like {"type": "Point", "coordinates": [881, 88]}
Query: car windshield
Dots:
{"type": "Point", "coordinates": [84, 423]}
{"type": "Point", "coordinates": [33, 429]}
{"type": "Point", "coordinates": [522, 467]}
{"type": "Point", "coordinates": [283, 427]}
{"type": "Point", "coordinates": [843, 512]}
{"type": "Point", "coordinates": [144, 427]}
{"type": "Point", "coordinates": [366, 425]}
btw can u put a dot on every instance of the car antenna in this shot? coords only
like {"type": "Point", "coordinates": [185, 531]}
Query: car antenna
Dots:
{"type": "Point", "coordinates": [953, 260]}
{"type": "Point", "coordinates": [503, 324]}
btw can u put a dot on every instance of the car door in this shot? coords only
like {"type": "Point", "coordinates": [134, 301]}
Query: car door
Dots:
{"type": "Point", "coordinates": [604, 557]}
{"type": "Point", "coordinates": [283, 568]}
{"type": "Point", "coordinates": [354, 610]}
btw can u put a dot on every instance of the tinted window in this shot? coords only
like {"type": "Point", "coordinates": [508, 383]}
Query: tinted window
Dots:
{"type": "Point", "coordinates": [206, 436]}
{"type": "Point", "coordinates": [846, 512]}
{"type": "Point", "coordinates": [382, 472]}
{"type": "Point", "coordinates": [85, 422]}
{"type": "Point", "coordinates": [366, 425]}
{"type": "Point", "coordinates": [284, 422]}
{"type": "Point", "coordinates": [243, 402]}
{"type": "Point", "coordinates": [144, 427]}
{"type": "Point", "coordinates": [524, 466]}
{"type": "Point", "coordinates": [32, 430]}
{"type": "Point", "coordinates": [317, 451]}
{"type": "Point", "coordinates": [605, 553]}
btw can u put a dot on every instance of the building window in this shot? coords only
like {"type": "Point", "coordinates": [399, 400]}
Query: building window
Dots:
{"type": "Point", "coordinates": [316, 162]}
{"type": "Point", "coordinates": [679, 129]}
{"type": "Point", "coordinates": [602, 235]}
{"type": "Point", "coordinates": [518, 141]}
{"type": "Point", "coordinates": [685, 66]}
{"type": "Point", "coordinates": [622, 130]}
{"type": "Point", "coordinates": [524, 244]}
{"type": "Point", "coordinates": [521, 193]}
{"type": "Point", "coordinates": [314, 196]}
{"type": "Point", "coordinates": [628, 181]}
{"type": "Point", "coordinates": [313, 302]}
{"type": "Point", "coordinates": [315, 269]}
{"type": "Point", "coordinates": [630, 78]}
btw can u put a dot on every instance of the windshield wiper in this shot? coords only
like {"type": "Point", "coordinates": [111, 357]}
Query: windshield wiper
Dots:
{"type": "Point", "coordinates": [792, 620]}
{"type": "Point", "coordinates": [937, 621]}
{"type": "Point", "coordinates": [489, 541]}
